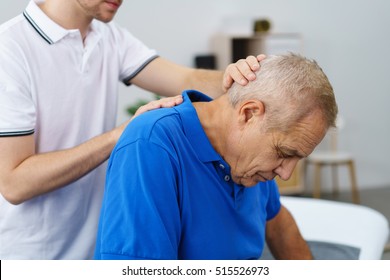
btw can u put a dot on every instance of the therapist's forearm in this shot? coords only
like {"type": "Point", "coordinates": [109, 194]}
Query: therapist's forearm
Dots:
{"type": "Point", "coordinates": [37, 174]}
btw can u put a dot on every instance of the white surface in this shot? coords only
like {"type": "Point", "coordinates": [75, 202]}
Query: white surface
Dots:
{"type": "Point", "coordinates": [341, 223]}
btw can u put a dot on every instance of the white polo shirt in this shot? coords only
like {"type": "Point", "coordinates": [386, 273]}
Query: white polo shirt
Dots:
{"type": "Point", "coordinates": [64, 92]}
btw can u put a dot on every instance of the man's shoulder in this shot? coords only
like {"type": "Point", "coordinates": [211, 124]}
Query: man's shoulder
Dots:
{"type": "Point", "coordinates": [14, 40]}
{"type": "Point", "coordinates": [11, 27]}
{"type": "Point", "coordinates": [159, 123]}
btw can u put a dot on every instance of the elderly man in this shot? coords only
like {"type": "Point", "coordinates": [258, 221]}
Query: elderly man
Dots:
{"type": "Point", "coordinates": [196, 181]}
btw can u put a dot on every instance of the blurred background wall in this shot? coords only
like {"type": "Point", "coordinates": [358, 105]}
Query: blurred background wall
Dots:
{"type": "Point", "coordinates": [349, 39]}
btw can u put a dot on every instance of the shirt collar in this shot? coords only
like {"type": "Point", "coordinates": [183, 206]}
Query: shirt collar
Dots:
{"type": "Point", "coordinates": [50, 31]}
{"type": "Point", "coordinates": [193, 128]}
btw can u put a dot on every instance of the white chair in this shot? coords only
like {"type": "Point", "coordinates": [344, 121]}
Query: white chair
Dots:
{"type": "Point", "coordinates": [333, 158]}
{"type": "Point", "coordinates": [338, 223]}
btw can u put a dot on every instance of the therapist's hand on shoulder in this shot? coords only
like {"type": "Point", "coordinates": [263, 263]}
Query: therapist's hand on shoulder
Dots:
{"type": "Point", "coordinates": [166, 102]}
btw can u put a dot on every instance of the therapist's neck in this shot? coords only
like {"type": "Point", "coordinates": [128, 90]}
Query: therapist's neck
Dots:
{"type": "Point", "coordinates": [67, 15]}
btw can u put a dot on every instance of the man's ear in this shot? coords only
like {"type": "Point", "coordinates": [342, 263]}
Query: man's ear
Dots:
{"type": "Point", "coordinates": [251, 110]}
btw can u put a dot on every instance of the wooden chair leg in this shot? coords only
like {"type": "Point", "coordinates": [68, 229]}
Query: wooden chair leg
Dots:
{"type": "Point", "coordinates": [355, 191]}
{"type": "Point", "coordinates": [335, 180]}
{"type": "Point", "coordinates": [317, 182]}
{"type": "Point", "coordinates": [304, 176]}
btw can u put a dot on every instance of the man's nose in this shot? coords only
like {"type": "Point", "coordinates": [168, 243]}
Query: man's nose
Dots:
{"type": "Point", "coordinates": [285, 170]}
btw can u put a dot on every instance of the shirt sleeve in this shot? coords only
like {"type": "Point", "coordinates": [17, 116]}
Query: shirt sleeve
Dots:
{"type": "Point", "coordinates": [17, 109]}
{"type": "Point", "coordinates": [134, 54]}
{"type": "Point", "coordinates": [140, 218]}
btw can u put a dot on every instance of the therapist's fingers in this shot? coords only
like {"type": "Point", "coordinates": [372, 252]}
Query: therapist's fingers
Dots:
{"type": "Point", "coordinates": [160, 103]}
{"type": "Point", "coordinates": [242, 71]}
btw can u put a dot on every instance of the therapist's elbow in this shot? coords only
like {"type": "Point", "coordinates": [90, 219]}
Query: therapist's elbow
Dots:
{"type": "Point", "coordinates": [12, 194]}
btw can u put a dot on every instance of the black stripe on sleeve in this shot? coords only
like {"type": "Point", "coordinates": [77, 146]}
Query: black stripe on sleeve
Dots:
{"type": "Point", "coordinates": [126, 81]}
{"type": "Point", "coordinates": [17, 133]}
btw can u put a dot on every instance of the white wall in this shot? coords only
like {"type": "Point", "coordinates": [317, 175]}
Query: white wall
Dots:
{"type": "Point", "coordinates": [349, 39]}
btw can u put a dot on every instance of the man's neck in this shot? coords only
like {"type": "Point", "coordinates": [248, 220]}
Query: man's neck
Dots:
{"type": "Point", "coordinates": [67, 15]}
{"type": "Point", "coordinates": [216, 117]}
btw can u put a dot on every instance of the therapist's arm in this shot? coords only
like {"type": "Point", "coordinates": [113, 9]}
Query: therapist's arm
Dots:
{"type": "Point", "coordinates": [26, 174]}
{"type": "Point", "coordinates": [284, 239]}
{"type": "Point", "coordinates": [167, 78]}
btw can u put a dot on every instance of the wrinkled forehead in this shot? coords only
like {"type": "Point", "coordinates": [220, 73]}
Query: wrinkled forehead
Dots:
{"type": "Point", "coordinates": [309, 132]}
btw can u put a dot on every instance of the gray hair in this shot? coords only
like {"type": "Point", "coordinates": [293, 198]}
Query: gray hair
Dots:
{"type": "Point", "coordinates": [291, 87]}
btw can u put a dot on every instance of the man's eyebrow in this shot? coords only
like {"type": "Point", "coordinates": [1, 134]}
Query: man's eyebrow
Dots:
{"type": "Point", "coordinates": [291, 152]}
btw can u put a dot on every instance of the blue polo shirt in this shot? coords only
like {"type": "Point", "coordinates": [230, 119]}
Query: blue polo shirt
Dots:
{"type": "Point", "coordinates": [169, 194]}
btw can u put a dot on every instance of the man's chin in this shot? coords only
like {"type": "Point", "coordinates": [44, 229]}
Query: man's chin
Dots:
{"type": "Point", "coordinates": [250, 181]}
{"type": "Point", "coordinates": [106, 18]}
{"type": "Point", "coordinates": [250, 185]}
{"type": "Point", "coordinates": [246, 182]}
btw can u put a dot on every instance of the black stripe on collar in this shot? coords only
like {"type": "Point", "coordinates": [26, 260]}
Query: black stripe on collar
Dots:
{"type": "Point", "coordinates": [17, 133]}
{"type": "Point", "coordinates": [36, 27]}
